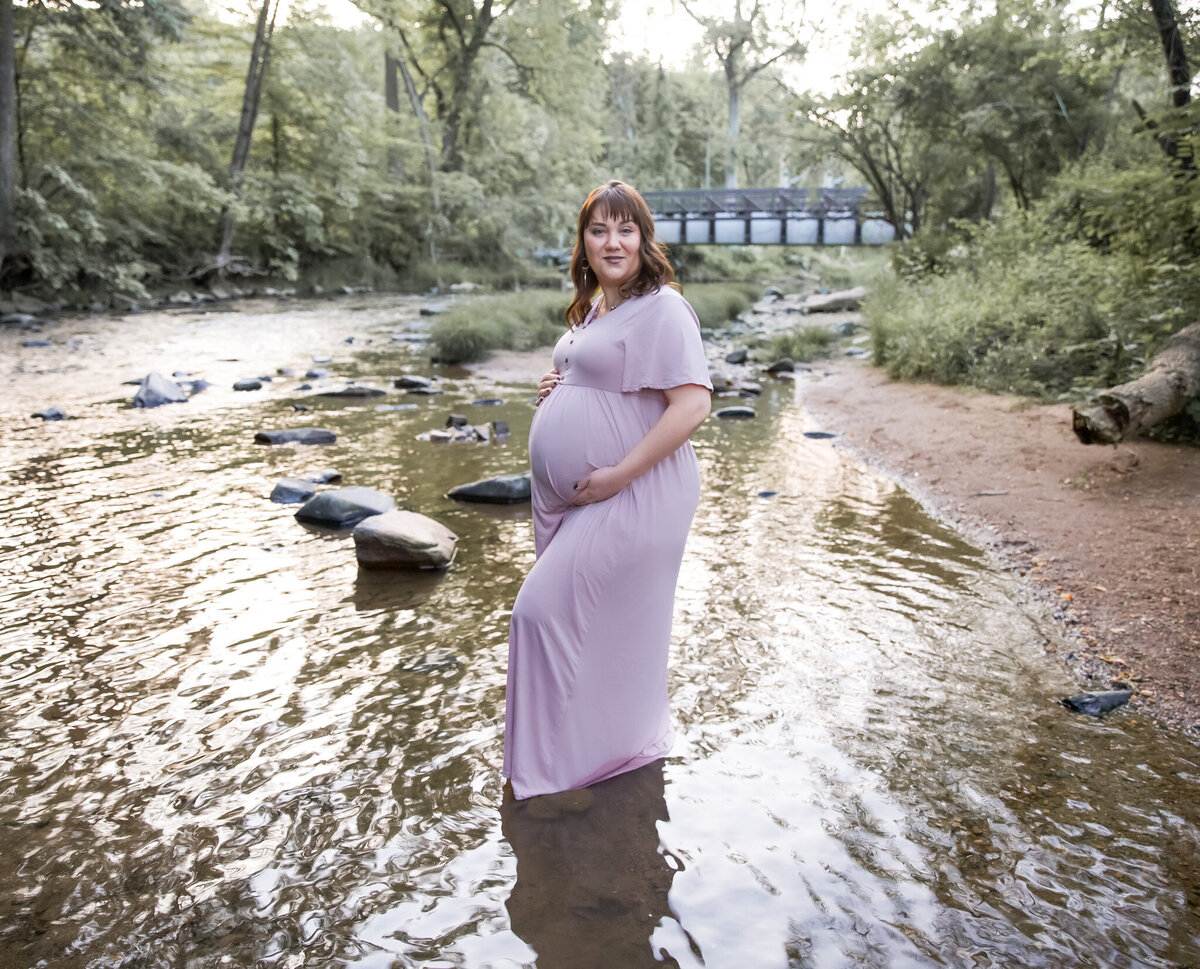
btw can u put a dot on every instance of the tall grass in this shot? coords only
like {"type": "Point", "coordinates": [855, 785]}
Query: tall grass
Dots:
{"type": "Point", "coordinates": [802, 345]}
{"type": "Point", "coordinates": [534, 318]}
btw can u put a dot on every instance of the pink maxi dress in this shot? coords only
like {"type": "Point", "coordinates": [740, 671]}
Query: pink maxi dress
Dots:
{"type": "Point", "coordinates": [591, 626]}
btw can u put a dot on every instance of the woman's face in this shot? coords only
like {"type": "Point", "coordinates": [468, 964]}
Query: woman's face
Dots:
{"type": "Point", "coordinates": [613, 249]}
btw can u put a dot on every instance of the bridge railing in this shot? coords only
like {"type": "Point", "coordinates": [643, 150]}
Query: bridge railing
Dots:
{"type": "Point", "coordinates": [767, 216]}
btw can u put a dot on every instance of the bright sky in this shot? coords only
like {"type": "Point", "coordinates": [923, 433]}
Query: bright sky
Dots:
{"type": "Point", "coordinates": [663, 31]}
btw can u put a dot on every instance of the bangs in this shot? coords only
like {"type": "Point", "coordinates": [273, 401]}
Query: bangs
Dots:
{"type": "Point", "coordinates": [614, 203]}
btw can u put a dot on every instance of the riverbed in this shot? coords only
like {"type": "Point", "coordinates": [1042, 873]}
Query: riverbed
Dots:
{"type": "Point", "coordinates": [225, 745]}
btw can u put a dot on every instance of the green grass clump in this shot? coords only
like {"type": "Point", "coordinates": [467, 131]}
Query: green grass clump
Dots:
{"type": "Point", "coordinates": [512, 321]}
{"type": "Point", "coordinates": [803, 344]}
{"type": "Point", "coordinates": [718, 303]}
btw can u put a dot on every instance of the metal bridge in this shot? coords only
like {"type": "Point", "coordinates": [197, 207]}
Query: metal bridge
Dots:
{"type": "Point", "coordinates": [767, 216]}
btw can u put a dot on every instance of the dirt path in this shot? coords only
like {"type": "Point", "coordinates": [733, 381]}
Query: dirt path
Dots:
{"type": "Point", "coordinates": [1109, 537]}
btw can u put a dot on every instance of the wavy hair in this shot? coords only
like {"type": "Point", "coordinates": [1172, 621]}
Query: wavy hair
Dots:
{"type": "Point", "coordinates": [616, 200]}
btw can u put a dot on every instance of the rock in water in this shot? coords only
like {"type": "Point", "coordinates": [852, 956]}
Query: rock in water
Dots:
{"type": "Point", "coordinates": [736, 413]}
{"type": "Point", "coordinates": [343, 507]}
{"type": "Point", "coordinates": [156, 390]}
{"type": "Point", "coordinates": [412, 382]}
{"type": "Point", "coordinates": [289, 491]}
{"type": "Point", "coordinates": [785, 365]}
{"type": "Point", "coordinates": [353, 390]}
{"type": "Point", "coordinates": [50, 414]}
{"type": "Point", "coordinates": [324, 476]}
{"type": "Point", "coordinates": [737, 355]}
{"type": "Point", "coordinates": [507, 489]}
{"type": "Point", "coordinates": [248, 383]}
{"type": "Point", "coordinates": [296, 435]}
{"type": "Point", "coordinates": [403, 540]}
{"type": "Point", "coordinates": [1095, 704]}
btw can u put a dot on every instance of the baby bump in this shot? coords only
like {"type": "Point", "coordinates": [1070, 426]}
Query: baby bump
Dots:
{"type": "Point", "coordinates": [575, 431]}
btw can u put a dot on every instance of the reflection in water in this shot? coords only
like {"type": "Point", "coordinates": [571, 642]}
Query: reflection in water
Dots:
{"type": "Point", "coordinates": [224, 744]}
{"type": "Point", "coordinates": [592, 878]}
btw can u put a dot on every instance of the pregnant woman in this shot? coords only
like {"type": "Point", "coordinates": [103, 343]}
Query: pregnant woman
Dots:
{"type": "Point", "coordinates": [615, 486]}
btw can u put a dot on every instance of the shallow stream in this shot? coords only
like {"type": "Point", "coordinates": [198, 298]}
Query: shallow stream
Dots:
{"type": "Point", "coordinates": [221, 744]}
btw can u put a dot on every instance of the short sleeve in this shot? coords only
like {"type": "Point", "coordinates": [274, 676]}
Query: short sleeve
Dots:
{"type": "Point", "coordinates": [664, 348]}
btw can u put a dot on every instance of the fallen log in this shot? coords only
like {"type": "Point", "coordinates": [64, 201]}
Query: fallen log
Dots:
{"type": "Point", "coordinates": [1170, 383]}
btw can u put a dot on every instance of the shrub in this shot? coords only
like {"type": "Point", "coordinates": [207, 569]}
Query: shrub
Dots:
{"type": "Point", "coordinates": [802, 344]}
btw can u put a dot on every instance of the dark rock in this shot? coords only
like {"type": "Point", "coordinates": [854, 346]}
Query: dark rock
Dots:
{"type": "Point", "coordinates": [300, 409]}
{"type": "Point", "coordinates": [737, 355]}
{"type": "Point", "coordinates": [425, 392]}
{"type": "Point", "coordinates": [193, 387]}
{"type": "Point", "coordinates": [457, 420]}
{"type": "Point", "coordinates": [284, 372]}
{"type": "Point", "coordinates": [772, 293]}
{"type": "Point", "coordinates": [248, 384]}
{"type": "Point", "coordinates": [736, 413]}
{"type": "Point", "coordinates": [305, 386]}
{"type": "Point", "coordinates": [434, 309]}
{"type": "Point", "coordinates": [17, 319]}
{"type": "Point", "coordinates": [324, 476]}
{"type": "Point", "coordinates": [354, 390]}
{"type": "Point", "coordinates": [317, 373]}
{"type": "Point", "coordinates": [289, 491]}
{"type": "Point", "coordinates": [819, 435]}
{"type": "Point", "coordinates": [411, 382]}
{"type": "Point", "coordinates": [296, 435]}
{"type": "Point", "coordinates": [343, 507]}
{"type": "Point", "coordinates": [50, 414]}
{"type": "Point", "coordinates": [403, 540]}
{"type": "Point", "coordinates": [500, 429]}
{"type": "Point", "coordinates": [785, 365]}
{"type": "Point", "coordinates": [848, 328]}
{"type": "Point", "coordinates": [156, 390]}
{"type": "Point", "coordinates": [487, 402]}
{"type": "Point", "coordinates": [749, 389]}
{"type": "Point", "coordinates": [1095, 704]}
{"type": "Point", "coordinates": [507, 489]}
{"type": "Point", "coordinates": [35, 343]}
{"type": "Point", "coordinates": [767, 494]}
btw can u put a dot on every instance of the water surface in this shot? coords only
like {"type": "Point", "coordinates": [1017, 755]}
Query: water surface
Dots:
{"type": "Point", "coordinates": [223, 744]}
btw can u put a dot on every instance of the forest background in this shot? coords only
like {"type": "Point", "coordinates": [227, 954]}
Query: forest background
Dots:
{"type": "Point", "coordinates": [1039, 156]}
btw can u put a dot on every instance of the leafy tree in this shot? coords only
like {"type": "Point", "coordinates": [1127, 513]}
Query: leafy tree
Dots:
{"type": "Point", "coordinates": [758, 36]}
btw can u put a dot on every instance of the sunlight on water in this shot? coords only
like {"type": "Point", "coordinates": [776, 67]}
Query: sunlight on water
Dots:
{"type": "Point", "coordinates": [224, 744]}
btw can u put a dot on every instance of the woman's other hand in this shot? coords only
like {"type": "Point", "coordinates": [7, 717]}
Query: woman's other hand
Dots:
{"type": "Point", "coordinates": [547, 384]}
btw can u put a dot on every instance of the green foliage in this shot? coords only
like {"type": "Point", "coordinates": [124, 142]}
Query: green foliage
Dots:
{"type": "Point", "coordinates": [718, 303]}
{"type": "Point", "coordinates": [803, 344]}
{"type": "Point", "coordinates": [514, 321]}
{"type": "Point", "coordinates": [707, 264]}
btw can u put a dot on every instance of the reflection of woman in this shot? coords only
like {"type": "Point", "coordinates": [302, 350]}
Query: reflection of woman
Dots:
{"type": "Point", "coordinates": [615, 485]}
{"type": "Point", "coordinates": [592, 883]}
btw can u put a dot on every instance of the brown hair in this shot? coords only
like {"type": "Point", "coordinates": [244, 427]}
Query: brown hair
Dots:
{"type": "Point", "coordinates": [617, 200]}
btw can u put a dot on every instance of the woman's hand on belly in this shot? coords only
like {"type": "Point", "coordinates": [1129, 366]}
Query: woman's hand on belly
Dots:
{"type": "Point", "coordinates": [600, 485]}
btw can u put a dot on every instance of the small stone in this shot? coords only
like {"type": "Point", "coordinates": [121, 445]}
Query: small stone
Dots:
{"type": "Point", "coordinates": [156, 390]}
{"type": "Point", "coordinates": [354, 390]}
{"type": "Point", "coordinates": [1095, 704]}
{"type": "Point", "coordinates": [403, 540]}
{"type": "Point", "coordinates": [296, 435]}
{"type": "Point", "coordinates": [411, 382]}
{"type": "Point", "coordinates": [289, 491]}
{"type": "Point", "coordinates": [737, 355]}
{"type": "Point", "coordinates": [50, 414]}
{"type": "Point", "coordinates": [342, 507]}
{"type": "Point", "coordinates": [819, 435]}
{"type": "Point", "coordinates": [324, 476]}
{"type": "Point", "coordinates": [248, 383]}
{"type": "Point", "coordinates": [457, 420]}
{"type": "Point", "coordinates": [749, 389]}
{"type": "Point", "coordinates": [487, 402]}
{"type": "Point", "coordinates": [35, 343]}
{"type": "Point", "coordinates": [506, 489]}
{"type": "Point", "coordinates": [434, 309]}
{"type": "Point", "coordinates": [736, 413]}
{"type": "Point", "coordinates": [784, 365]}
{"type": "Point", "coordinates": [316, 373]}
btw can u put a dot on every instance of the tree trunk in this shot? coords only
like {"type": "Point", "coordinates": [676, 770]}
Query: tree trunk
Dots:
{"type": "Point", "coordinates": [431, 159]}
{"type": "Point", "coordinates": [1178, 70]}
{"type": "Point", "coordinates": [8, 130]}
{"type": "Point", "coordinates": [260, 57]}
{"type": "Point", "coordinates": [1170, 383]}
{"type": "Point", "coordinates": [735, 124]}
{"type": "Point", "coordinates": [391, 95]}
